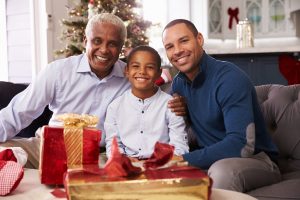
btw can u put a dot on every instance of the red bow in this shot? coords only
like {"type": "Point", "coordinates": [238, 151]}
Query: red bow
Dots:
{"type": "Point", "coordinates": [233, 14]}
{"type": "Point", "coordinates": [119, 165]}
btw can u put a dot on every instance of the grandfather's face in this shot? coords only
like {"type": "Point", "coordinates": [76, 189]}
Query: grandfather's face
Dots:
{"type": "Point", "coordinates": [183, 48]}
{"type": "Point", "coordinates": [103, 46]}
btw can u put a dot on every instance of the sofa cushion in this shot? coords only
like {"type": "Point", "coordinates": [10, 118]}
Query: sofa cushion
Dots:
{"type": "Point", "coordinates": [288, 189]}
{"type": "Point", "coordinates": [281, 109]}
{"type": "Point", "coordinates": [291, 175]}
{"type": "Point", "coordinates": [7, 91]}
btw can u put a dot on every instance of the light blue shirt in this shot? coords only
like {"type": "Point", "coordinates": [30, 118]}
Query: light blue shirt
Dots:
{"type": "Point", "coordinates": [67, 86]}
{"type": "Point", "coordinates": [139, 124]}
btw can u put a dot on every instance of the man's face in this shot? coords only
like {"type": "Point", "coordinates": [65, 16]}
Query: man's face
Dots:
{"type": "Point", "coordinates": [142, 71]}
{"type": "Point", "coordinates": [103, 46]}
{"type": "Point", "coordinates": [183, 49]}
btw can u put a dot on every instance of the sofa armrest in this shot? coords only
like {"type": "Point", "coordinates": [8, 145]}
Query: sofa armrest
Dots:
{"type": "Point", "coordinates": [7, 91]}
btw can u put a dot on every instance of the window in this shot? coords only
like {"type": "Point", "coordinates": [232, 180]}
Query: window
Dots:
{"type": "Point", "coordinates": [21, 52]}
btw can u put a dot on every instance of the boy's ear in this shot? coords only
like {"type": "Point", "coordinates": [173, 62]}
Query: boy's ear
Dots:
{"type": "Point", "coordinates": [159, 72]}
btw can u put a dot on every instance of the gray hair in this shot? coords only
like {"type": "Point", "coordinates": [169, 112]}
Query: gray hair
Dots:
{"type": "Point", "coordinates": [107, 18]}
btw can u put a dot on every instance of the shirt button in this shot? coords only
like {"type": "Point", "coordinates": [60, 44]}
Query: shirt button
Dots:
{"type": "Point", "coordinates": [142, 111]}
{"type": "Point", "coordinates": [140, 149]}
{"type": "Point", "coordinates": [141, 131]}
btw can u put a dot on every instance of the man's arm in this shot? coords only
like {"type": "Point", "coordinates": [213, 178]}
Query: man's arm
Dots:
{"type": "Point", "coordinates": [236, 110]}
{"type": "Point", "coordinates": [25, 107]}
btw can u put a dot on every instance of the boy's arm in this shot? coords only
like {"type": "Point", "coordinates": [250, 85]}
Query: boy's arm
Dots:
{"type": "Point", "coordinates": [177, 133]}
{"type": "Point", "coordinates": [111, 129]}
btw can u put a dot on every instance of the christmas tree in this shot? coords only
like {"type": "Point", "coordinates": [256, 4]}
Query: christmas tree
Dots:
{"type": "Point", "coordinates": [127, 10]}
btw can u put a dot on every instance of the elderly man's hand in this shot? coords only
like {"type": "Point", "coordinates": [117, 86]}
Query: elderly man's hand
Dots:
{"type": "Point", "coordinates": [178, 105]}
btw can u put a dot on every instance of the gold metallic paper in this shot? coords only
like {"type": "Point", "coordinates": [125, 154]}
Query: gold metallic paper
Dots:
{"type": "Point", "coordinates": [92, 187]}
{"type": "Point", "coordinates": [73, 142]}
{"type": "Point", "coordinates": [73, 135]}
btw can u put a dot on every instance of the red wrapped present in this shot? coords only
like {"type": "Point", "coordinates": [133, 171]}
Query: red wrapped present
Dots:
{"type": "Point", "coordinates": [11, 171]}
{"type": "Point", "coordinates": [67, 147]}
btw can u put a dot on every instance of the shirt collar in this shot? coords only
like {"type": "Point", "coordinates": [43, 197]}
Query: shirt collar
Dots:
{"type": "Point", "coordinates": [201, 74]}
{"type": "Point", "coordinates": [145, 101]}
{"type": "Point", "coordinates": [118, 68]}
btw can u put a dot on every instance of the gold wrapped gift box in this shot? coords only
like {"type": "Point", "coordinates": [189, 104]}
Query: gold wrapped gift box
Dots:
{"type": "Point", "coordinates": [168, 183]}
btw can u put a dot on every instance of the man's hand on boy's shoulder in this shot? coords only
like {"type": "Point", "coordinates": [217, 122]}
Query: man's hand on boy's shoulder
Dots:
{"type": "Point", "coordinates": [178, 105]}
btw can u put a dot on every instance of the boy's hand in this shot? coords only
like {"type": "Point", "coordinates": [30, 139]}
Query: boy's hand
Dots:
{"type": "Point", "coordinates": [133, 159]}
{"type": "Point", "coordinates": [178, 105]}
{"type": "Point", "coordinates": [177, 158]}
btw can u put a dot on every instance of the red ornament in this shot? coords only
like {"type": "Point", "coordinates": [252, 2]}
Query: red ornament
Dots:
{"type": "Point", "coordinates": [290, 69]}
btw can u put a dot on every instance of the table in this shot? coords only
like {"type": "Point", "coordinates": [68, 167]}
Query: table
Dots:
{"type": "Point", "coordinates": [30, 188]}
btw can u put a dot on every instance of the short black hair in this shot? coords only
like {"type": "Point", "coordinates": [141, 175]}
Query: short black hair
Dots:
{"type": "Point", "coordinates": [147, 49]}
{"type": "Point", "coordinates": [188, 23]}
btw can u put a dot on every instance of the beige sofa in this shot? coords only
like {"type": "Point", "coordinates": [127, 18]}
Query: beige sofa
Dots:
{"type": "Point", "coordinates": [281, 109]}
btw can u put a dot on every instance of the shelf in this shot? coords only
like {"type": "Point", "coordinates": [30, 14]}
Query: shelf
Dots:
{"type": "Point", "coordinates": [278, 45]}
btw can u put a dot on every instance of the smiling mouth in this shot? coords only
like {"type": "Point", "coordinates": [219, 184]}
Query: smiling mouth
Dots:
{"type": "Point", "coordinates": [141, 79]}
{"type": "Point", "coordinates": [101, 59]}
{"type": "Point", "coordinates": [181, 60]}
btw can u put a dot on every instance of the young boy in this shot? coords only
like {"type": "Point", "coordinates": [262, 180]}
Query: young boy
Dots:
{"type": "Point", "coordinates": [140, 117]}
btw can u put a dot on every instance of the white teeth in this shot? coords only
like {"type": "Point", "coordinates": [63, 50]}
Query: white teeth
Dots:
{"type": "Point", "coordinates": [181, 60]}
{"type": "Point", "coordinates": [141, 79]}
{"type": "Point", "coordinates": [101, 59]}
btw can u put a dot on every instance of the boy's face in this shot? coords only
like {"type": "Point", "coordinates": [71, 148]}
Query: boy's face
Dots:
{"type": "Point", "coordinates": [142, 71]}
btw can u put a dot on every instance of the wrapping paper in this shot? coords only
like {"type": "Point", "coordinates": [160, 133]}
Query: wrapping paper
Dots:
{"type": "Point", "coordinates": [66, 148]}
{"type": "Point", "coordinates": [118, 164]}
{"type": "Point", "coordinates": [168, 183]}
{"type": "Point", "coordinates": [7, 154]}
{"type": "Point", "coordinates": [162, 154]}
{"type": "Point", "coordinates": [119, 179]}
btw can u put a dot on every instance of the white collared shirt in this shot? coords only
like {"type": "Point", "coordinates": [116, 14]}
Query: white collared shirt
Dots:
{"type": "Point", "coordinates": [139, 124]}
{"type": "Point", "coordinates": [67, 86]}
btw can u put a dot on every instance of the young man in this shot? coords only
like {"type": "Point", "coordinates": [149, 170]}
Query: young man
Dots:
{"type": "Point", "coordinates": [140, 117]}
{"type": "Point", "coordinates": [224, 114]}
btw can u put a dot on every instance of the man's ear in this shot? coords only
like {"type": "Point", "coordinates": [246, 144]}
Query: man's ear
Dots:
{"type": "Point", "coordinates": [200, 39]}
{"type": "Point", "coordinates": [84, 40]}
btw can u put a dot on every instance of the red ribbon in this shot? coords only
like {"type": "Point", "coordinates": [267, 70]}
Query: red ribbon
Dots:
{"type": "Point", "coordinates": [233, 14]}
{"type": "Point", "coordinates": [7, 155]}
{"type": "Point", "coordinates": [119, 165]}
{"type": "Point", "coordinates": [162, 154]}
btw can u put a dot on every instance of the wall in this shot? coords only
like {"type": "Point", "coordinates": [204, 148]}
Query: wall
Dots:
{"type": "Point", "coordinates": [56, 11]}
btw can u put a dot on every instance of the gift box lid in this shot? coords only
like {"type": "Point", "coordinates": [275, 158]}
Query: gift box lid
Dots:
{"type": "Point", "coordinates": [168, 183]}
